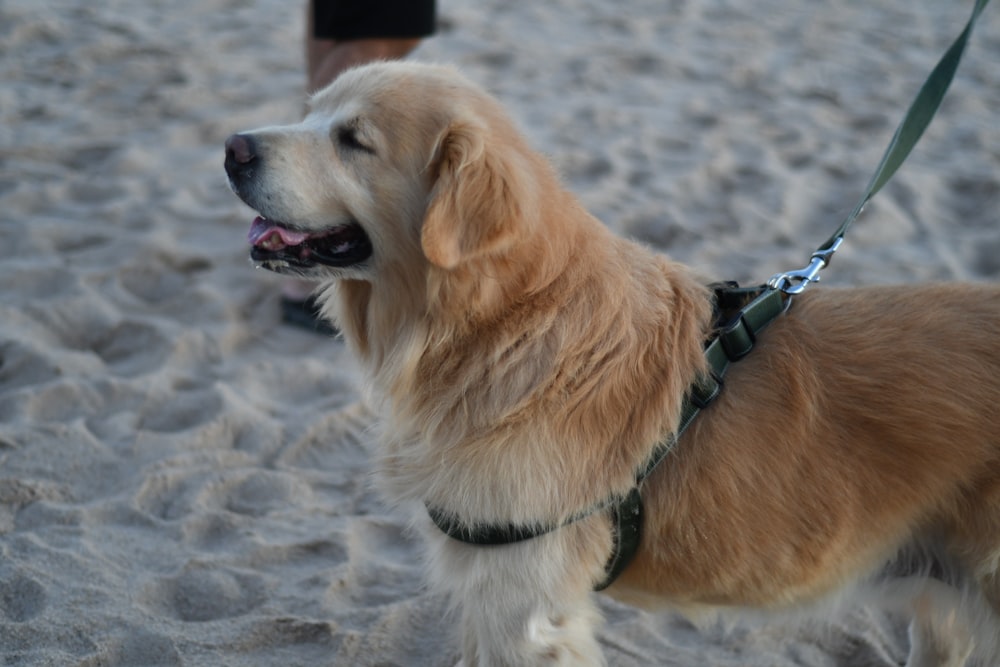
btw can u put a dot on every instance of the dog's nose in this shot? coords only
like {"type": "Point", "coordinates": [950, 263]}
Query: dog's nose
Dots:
{"type": "Point", "coordinates": [239, 148]}
{"type": "Point", "coordinates": [239, 153]}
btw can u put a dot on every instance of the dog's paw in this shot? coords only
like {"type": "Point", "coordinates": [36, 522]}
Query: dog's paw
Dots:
{"type": "Point", "coordinates": [938, 638]}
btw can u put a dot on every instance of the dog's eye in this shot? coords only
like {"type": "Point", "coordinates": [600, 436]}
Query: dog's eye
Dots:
{"type": "Point", "coordinates": [347, 135]}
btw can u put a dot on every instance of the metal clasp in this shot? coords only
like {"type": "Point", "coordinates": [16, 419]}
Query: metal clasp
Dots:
{"type": "Point", "coordinates": [795, 282]}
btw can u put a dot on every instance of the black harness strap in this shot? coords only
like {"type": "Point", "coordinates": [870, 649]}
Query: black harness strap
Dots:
{"type": "Point", "coordinates": [733, 341]}
{"type": "Point", "coordinates": [742, 313]}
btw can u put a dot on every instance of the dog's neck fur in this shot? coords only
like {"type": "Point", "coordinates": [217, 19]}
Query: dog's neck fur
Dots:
{"type": "Point", "coordinates": [426, 358]}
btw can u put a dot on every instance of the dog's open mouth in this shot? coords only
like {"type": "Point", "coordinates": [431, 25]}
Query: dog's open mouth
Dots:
{"type": "Point", "coordinates": [279, 247]}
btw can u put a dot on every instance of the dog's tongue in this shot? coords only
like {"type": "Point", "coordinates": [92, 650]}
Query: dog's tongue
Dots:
{"type": "Point", "coordinates": [263, 231]}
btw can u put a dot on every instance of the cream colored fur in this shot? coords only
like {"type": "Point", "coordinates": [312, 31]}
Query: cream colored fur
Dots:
{"type": "Point", "coordinates": [527, 361]}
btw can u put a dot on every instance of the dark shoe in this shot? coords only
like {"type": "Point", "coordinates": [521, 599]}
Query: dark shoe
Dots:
{"type": "Point", "coordinates": [305, 314]}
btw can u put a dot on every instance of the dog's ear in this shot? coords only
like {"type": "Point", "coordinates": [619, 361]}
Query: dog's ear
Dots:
{"type": "Point", "coordinates": [479, 200]}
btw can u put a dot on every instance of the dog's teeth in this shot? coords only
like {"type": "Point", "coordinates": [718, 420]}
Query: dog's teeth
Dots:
{"type": "Point", "coordinates": [272, 242]}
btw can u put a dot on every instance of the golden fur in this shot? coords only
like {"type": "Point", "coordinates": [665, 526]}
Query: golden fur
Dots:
{"type": "Point", "coordinates": [527, 361]}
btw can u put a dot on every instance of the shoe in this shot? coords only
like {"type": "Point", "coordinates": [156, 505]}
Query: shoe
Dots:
{"type": "Point", "coordinates": [305, 314]}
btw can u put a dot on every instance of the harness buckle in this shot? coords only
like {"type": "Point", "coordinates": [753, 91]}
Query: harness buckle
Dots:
{"type": "Point", "coordinates": [795, 282]}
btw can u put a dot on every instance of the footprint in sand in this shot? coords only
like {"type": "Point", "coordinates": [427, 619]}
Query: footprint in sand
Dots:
{"type": "Point", "coordinates": [132, 349]}
{"type": "Point", "coordinates": [203, 592]}
{"type": "Point", "coordinates": [137, 647]}
{"type": "Point", "coordinates": [21, 598]}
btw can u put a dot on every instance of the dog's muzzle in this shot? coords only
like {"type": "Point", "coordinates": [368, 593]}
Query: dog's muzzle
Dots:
{"type": "Point", "coordinates": [282, 246]}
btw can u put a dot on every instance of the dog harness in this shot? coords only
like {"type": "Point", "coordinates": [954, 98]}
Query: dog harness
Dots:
{"type": "Point", "coordinates": [734, 338]}
{"type": "Point", "coordinates": [755, 308]}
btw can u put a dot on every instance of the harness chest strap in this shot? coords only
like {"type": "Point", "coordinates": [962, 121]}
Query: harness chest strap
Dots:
{"type": "Point", "coordinates": [733, 341]}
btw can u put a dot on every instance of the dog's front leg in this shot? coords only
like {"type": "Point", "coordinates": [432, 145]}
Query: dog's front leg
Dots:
{"type": "Point", "coordinates": [941, 627]}
{"type": "Point", "coordinates": [528, 630]}
{"type": "Point", "coordinates": [938, 641]}
{"type": "Point", "coordinates": [526, 604]}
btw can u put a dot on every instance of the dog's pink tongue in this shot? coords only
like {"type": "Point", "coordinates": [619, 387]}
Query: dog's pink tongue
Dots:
{"type": "Point", "coordinates": [263, 231]}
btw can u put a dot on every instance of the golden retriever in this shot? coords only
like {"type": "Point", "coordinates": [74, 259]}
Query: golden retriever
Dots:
{"type": "Point", "coordinates": [528, 361]}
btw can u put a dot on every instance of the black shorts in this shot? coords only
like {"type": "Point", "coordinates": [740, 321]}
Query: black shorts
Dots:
{"type": "Point", "coordinates": [370, 19]}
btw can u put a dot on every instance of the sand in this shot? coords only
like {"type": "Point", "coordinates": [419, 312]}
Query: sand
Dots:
{"type": "Point", "coordinates": [185, 481]}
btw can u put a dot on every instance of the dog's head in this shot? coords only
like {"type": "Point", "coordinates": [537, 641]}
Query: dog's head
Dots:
{"type": "Point", "coordinates": [397, 168]}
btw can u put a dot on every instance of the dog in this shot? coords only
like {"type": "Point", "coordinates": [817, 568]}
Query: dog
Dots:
{"type": "Point", "coordinates": [527, 362]}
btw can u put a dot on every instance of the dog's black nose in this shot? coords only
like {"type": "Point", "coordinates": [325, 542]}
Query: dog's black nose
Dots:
{"type": "Point", "coordinates": [239, 153]}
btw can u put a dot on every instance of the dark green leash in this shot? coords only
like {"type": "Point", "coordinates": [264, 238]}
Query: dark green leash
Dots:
{"type": "Point", "coordinates": [755, 308]}
{"type": "Point", "coordinates": [917, 118]}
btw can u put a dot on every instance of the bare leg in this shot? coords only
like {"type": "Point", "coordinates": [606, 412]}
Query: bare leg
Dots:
{"type": "Point", "coordinates": [326, 59]}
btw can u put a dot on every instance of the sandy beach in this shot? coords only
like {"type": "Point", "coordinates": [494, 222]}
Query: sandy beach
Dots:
{"type": "Point", "coordinates": [186, 481]}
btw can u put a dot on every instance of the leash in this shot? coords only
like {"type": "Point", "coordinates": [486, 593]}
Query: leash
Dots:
{"type": "Point", "coordinates": [917, 118]}
{"type": "Point", "coordinates": [755, 308]}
